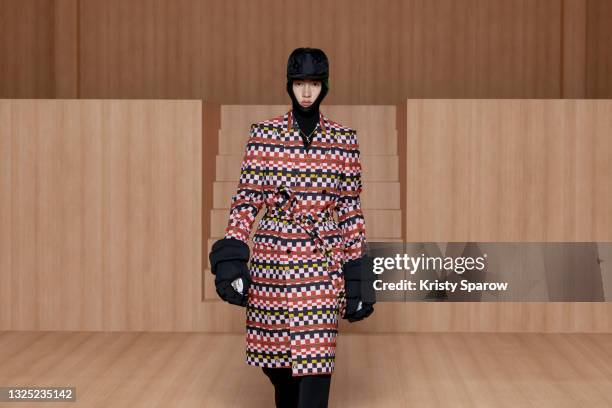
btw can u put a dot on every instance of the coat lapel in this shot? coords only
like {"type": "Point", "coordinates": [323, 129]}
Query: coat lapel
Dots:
{"type": "Point", "coordinates": [289, 130]}
{"type": "Point", "coordinates": [323, 122]}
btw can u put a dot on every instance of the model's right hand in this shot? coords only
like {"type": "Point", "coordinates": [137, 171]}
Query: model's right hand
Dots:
{"type": "Point", "coordinates": [229, 263]}
{"type": "Point", "coordinates": [230, 274]}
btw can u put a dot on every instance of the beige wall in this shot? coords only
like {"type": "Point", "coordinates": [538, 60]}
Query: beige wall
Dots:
{"type": "Point", "coordinates": [508, 170]}
{"type": "Point", "coordinates": [100, 206]}
{"type": "Point", "coordinates": [234, 51]}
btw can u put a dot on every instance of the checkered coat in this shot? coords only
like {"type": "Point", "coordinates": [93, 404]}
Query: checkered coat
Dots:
{"type": "Point", "coordinates": [297, 294]}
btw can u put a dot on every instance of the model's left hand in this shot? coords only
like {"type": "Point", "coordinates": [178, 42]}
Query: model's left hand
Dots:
{"type": "Point", "coordinates": [360, 313]}
{"type": "Point", "coordinates": [358, 306]}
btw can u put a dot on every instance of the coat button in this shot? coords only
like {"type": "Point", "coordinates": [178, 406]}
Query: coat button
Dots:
{"type": "Point", "coordinates": [324, 191]}
{"type": "Point", "coordinates": [288, 250]}
{"type": "Point", "coordinates": [314, 251]}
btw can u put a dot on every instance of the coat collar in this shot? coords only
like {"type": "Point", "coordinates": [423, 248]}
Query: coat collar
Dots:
{"type": "Point", "coordinates": [288, 122]}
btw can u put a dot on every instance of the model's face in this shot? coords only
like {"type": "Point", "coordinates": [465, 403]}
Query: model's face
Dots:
{"type": "Point", "coordinates": [306, 91]}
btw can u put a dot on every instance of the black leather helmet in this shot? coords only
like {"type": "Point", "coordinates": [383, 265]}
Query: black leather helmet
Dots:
{"type": "Point", "coordinates": [308, 63]}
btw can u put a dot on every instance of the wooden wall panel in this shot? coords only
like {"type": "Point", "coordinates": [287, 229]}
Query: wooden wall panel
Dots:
{"type": "Point", "coordinates": [211, 123]}
{"type": "Point", "coordinates": [66, 51]}
{"type": "Point", "coordinates": [509, 170]}
{"type": "Point", "coordinates": [380, 52]}
{"type": "Point", "coordinates": [536, 317]}
{"type": "Point", "coordinates": [573, 65]}
{"type": "Point", "coordinates": [26, 49]}
{"type": "Point", "coordinates": [235, 52]}
{"type": "Point", "coordinates": [100, 214]}
{"type": "Point", "coordinates": [599, 49]}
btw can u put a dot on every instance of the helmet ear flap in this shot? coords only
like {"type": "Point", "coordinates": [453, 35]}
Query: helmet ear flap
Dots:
{"type": "Point", "coordinates": [290, 88]}
{"type": "Point", "coordinates": [325, 83]}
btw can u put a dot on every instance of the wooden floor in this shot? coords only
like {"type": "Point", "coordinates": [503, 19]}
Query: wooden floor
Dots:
{"type": "Point", "coordinates": [116, 369]}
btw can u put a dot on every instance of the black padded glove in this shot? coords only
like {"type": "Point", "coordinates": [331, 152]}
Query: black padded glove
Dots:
{"type": "Point", "coordinates": [230, 273]}
{"type": "Point", "coordinates": [229, 263]}
{"type": "Point", "coordinates": [360, 294]}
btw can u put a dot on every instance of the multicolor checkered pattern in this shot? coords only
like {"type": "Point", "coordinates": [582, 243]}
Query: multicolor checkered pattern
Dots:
{"type": "Point", "coordinates": [297, 295]}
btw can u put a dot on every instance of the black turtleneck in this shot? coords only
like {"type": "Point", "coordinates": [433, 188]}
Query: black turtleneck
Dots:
{"type": "Point", "coordinates": [306, 118]}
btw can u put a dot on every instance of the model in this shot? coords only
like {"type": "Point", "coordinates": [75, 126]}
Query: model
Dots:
{"type": "Point", "coordinates": [305, 271]}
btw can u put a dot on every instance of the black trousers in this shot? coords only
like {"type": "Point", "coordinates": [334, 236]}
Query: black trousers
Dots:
{"type": "Point", "coordinates": [307, 391]}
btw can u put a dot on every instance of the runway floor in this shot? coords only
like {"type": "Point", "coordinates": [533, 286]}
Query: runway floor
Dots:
{"type": "Point", "coordinates": [134, 369]}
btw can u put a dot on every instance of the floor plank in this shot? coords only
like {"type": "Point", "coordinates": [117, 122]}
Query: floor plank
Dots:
{"type": "Point", "coordinates": [157, 369]}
